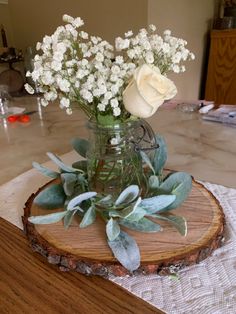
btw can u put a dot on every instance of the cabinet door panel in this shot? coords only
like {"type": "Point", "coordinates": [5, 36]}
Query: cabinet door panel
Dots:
{"type": "Point", "coordinates": [221, 75]}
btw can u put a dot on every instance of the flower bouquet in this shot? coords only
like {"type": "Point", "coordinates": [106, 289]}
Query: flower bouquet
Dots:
{"type": "Point", "coordinates": [121, 179]}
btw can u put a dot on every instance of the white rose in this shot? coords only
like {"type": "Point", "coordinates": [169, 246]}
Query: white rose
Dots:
{"type": "Point", "coordinates": [147, 91]}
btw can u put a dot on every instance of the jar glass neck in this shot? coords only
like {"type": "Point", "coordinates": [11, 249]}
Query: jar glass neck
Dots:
{"type": "Point", "coordinates": [119, 126]}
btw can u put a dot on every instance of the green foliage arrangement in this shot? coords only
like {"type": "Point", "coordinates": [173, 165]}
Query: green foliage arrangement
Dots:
{"type": "Point", "coordinates": [129, 210]}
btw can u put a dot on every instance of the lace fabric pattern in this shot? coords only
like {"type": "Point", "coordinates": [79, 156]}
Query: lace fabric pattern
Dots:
{"type": "Point", "coordinates": [208, 287]}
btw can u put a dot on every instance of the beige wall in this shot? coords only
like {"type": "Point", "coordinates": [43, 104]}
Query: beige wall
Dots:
{"type": "Point", "coordinates": [6, 22]}
{"type": "Point", "coordinates": [32, 19]}
{"type": "Point", "coordinates": [191, 20]}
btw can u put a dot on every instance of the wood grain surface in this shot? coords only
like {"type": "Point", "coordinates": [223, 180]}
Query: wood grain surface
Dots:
{"type": "Point", "coordinates": [30, 285]}
{"type": "Point", "coordinates": [86, 250]}
{"type": "Point", "coordinates": [221, 75]}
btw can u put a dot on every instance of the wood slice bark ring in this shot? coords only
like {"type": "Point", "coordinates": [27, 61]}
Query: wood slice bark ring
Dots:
{"type": "Point", "coordinates": [86, 250]}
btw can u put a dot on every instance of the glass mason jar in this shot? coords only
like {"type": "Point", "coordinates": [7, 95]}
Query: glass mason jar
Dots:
{"type": "Point", "coordinates": [113, 160]}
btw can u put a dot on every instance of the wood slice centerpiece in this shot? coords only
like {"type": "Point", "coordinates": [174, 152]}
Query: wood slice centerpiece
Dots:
{"type": "Point", "coordinates": [86, 250]}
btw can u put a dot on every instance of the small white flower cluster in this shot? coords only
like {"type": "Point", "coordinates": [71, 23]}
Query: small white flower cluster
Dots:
{"type": "Point", "coordinates": [76, 67]}
{"type": "Point", "coordinates": [165, 52]}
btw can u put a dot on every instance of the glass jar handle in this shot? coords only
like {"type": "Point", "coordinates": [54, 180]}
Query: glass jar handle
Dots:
{"type": "Point", "coordinates": [147, 139]}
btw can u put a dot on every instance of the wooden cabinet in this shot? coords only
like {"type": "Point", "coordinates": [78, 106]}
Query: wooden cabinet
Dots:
{"type": "Point", "coordinates": [221, 74]}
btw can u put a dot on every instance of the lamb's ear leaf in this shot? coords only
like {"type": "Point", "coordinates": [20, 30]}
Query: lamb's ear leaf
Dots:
{"type": "Point", "coordinates": [143, 225]}
{"type": "Point", "coordinates": [126, 250]}
{"type": "Point", "coordinates": [45, 171]}
{"type": "Point", "coordinates": [79, 199]}
{"type": "Point", "coordinates": [51, 197]}
{"type": "Point", "coordinates": [47, 219]}
{"type": "Point", "coordinates": [160, 156]}
{"type": "Point", "coordinates": [133, 212]}
{"type": "Point", "coordinates": [57, 160]}
{"type": "Point", "coordinates": [81, 146]}
{"type": "Point", "coordinates": [89, 217]}
{"type": "Point", "coordinates": [178, 184]}
{"type": "Point", "coordinates": [81, 165]}
{"type": "Point", "coordinates": [127, 195]}
{"type": "Point", "coordinates": [153, 182]}
{"type": "Point", "coordinates": [69, 217]}
{"type": "Point", "coordinates": [106, 201]}
{"type": "Point", "coordinates": [69, 180]}
{"type": "Point", "coordinates": [112, 229]}
{"type": "Point", "coordinates": [147, 160]}
{"type": "Point", "coordinates": [178, 222]}
{"type": "Point", "coordinates": [157, 203]}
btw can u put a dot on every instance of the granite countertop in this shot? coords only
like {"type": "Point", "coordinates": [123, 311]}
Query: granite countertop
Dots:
{"type": "Point", "coordinates": [206, 150]}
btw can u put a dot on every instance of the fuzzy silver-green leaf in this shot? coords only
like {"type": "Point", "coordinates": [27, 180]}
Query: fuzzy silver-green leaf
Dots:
{"type": "Point", "coordinates": [51, 197]}
{"type": "Point", "coordinates": [157, 203]}
{"type": "Point", "coordinates": [47, 219]}
{"type": "Point", "coordinates": [81, 165]}
{"type": "Point", "coordinates": [146, 159]}
{"type": "Point", "coordinates": [69, 217]}
{"type": "Point", "coordinates": [79, 199]}
{"type": "Point", "coordinates": [178, 222]}
{"type": "Point", "coordinates": [60, 164]}
{"type": "Point", "coordinates": [81, 146]}
{"type": "Point", "coordinates": [89, 217]}
{"type": "Point", "coordinates": [178, 184]}
{"type": "Point", "coordinates": [128, 195]}
{"type": "Point", "coordinates": [112, 229]}
{"type": "Point", "coordinates": [143, 225]}
{"type": "Point", "coordinates": [160, 156]}
{"type": "Point", "coordinates": [153, 182]}
{"type": "Point", "coordinates": [45, 171]}
{"type": "Point", "coordinates": [126, 251]}
{"type": "Point", "coordinates": [69, 180]}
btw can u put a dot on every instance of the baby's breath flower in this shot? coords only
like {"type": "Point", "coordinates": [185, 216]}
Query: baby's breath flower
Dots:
{"type": "Point", "coordinates": [149, 57]}
{"type": "Point", "coordinates": [43, 102]}
{"type": "Point", "coordinates": [67, 18]}
{"type": "Point", "coordinates": [176, 68]}
{"type": "Point", "coordinates": [119, 60]}
{"type": "Point", "coordinates": [38, 46]}
{"type": "Point", "coordinates": [142, 33]}
{"type": "Point", "coordinates": [131, 53]}
{"type": "Point", "coordinates": [108, 95]}
{"type": "Point", "coordinates": [114, 141]}
{"type": "Point", "coordinates": [83, 35]}
{"type": "Point", "coordinates": [69, 111]}
{"type": "Point", "coordinates": [50, 96]}
{"type": "Point", "coordinates": [101, 107]}
{"type": "Point", "coordinates": [65, 102]}
{"type": "Point", "coordinates": [74, 66]}
{"type": "Point", "coordinates": [167, 32]}
{"type": "Point", "coordinates": [56, 65]}
{"type": "Point", "coordinates": [77, 22]}
{"type": "Point", "coordinates": [129, 34]}
{"type": "Point", "coordinates": [94, 40]}
{"type": "Point", "coordinates": [115, 69]}
{"type": "Point", "coordinates": [114, 103]}
{"type": "Point", "coordinates": [63, 85]}
{"type": "Point", "coordinates": [99, 57]}
{"type": "Point", "coordinates": [29, 88]}
{"type": "Point", "coordinates": [152, 27]}
{"type": "Point", "coordinates": [121, 43]}
{"type": "Point", "coordinates": [116, 112]}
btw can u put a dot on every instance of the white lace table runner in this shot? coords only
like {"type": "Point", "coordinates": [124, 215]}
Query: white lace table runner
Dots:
{"type": "Point", "coordinates": [206, 288]}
